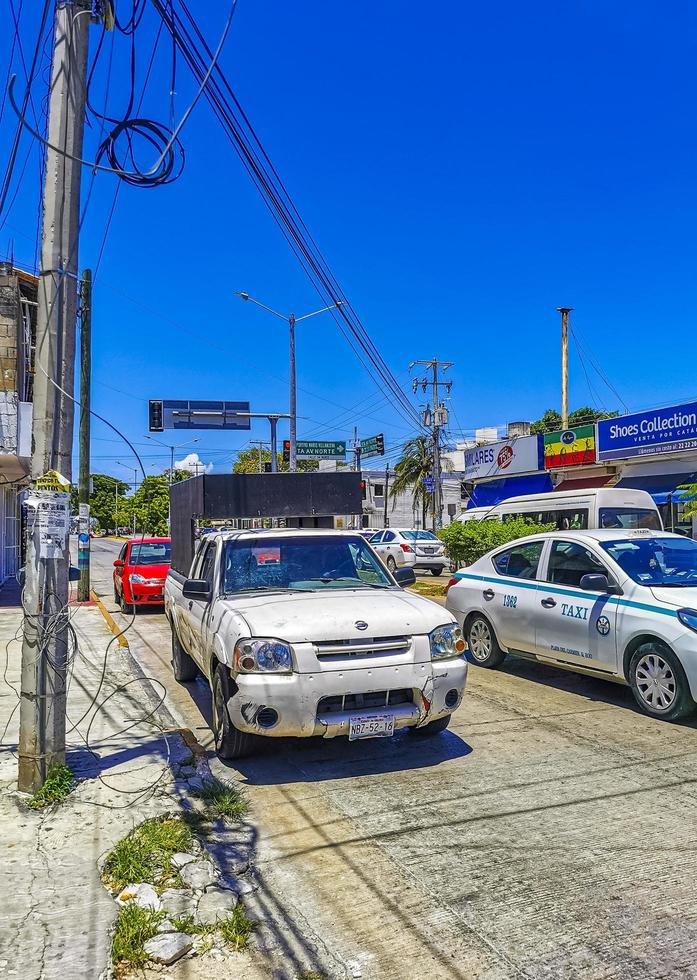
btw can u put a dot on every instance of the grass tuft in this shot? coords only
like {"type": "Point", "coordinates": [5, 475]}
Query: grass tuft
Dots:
{"type": "Point", "coordinates": [222, 799]}
{"type": "Point", "coordinates": [188, 924]}
{"type": "Point", "coordinates": [237, 928]}
{"type": "Point", "coordinates": [59, 782]}
{"type": "Point", "coordinates": [428, 588]}
{"type": "Point", "coordinates": [134, 926]}
{"type": "Point", "coordinates": [146, 854]}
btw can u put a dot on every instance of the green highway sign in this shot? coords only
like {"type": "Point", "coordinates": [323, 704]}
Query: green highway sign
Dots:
{"type": "Point", "coordinates": [374, 446]}
{"type": "Point", "coordinates": [312, 449]}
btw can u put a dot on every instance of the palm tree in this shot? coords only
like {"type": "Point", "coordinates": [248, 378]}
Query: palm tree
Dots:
{"type": "Point", "coordinates": [415, 464]}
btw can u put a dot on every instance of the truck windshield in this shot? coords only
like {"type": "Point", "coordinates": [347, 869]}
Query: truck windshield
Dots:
{"type": "Point", "coordinates": [656, 561]}
{"type": "Point", "coordinates": [309, 563]}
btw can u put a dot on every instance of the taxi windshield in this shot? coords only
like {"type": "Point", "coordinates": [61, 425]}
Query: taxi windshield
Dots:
{"type": "Point", "coordinates": [289, 563]}
{"type": "Point", "coordinates": [669, 562]}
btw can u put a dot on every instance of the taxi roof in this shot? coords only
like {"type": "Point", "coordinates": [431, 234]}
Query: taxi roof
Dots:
{"type": "Point", "coordinates": [609, 534]}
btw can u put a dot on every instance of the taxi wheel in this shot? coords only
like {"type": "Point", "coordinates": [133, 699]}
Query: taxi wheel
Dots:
{"type": "Point", "coordinates": [183, 667]}
{"type": "Point", "coordinates": [659, 684]}
{"type": "Point", "coordinates": [483, 645]}
{"type": "Point", "coordinates": [230, 742]}
{"type": "Point", "coordinates": [437, 571]}
{"type": "Point", "coordinates": [391, 563]}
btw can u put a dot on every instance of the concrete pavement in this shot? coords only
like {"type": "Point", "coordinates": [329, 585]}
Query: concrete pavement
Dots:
{"type": "Point", "coordinates": [550, 833]}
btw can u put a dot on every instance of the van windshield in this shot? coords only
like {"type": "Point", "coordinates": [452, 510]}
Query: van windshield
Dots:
{"type": "Point", "coordinates": [629, 517]}
{"type": "Point", "coordinates": [668, 562]}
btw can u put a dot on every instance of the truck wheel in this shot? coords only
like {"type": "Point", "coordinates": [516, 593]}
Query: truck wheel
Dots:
{"type": "Point", "coordinates": [659, 684]}
{"type": "Point", "coordinates": [183, 666]}
{"type": "Point", "coordinates": [230, 742]}
{"type": "Point", "coordinates": [482, 643]}
{"type": "Point", "coordinates": [433, 727]}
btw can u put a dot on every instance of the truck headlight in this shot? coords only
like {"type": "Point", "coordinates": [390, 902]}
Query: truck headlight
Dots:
{"type": "Point", "coordinates": [138, 579]}
{"type": "Point", "coordinates": [263, 655]}
{"type": "Point", "coordinates": [688, 617]}
{"type": "Point", "coordinates": [446, 641]}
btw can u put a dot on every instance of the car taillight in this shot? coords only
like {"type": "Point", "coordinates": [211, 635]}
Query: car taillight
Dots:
{"type": "Point", "coordinates": [453, 581]}
{"type": "Point", "coordinates": [406, 547]}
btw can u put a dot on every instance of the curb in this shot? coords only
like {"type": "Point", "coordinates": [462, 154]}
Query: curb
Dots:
{"type": "Point", "coordinates": [109, 619]}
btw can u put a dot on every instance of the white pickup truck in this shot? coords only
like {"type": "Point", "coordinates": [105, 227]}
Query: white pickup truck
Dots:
{"type": "Point", "coordinates": [304, 632]}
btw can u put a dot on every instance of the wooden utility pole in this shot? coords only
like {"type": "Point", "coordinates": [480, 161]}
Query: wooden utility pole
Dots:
{"type": "Point", "coordinates": [45, 594]}
{"type": "Point", "coordinates": [83, 551]}
{"type": "Point", "coordinates": [564, 310]}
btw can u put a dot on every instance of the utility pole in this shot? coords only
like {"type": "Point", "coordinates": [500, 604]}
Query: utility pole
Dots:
{"type": "Point", "coordinates": [565, 310]}
{"type": "Point", "coordinates": [83, 548]}
{"type": "Point", "coordinates": [356, 450]}
{"type": "Point", "coordinates": [291, 320]}
{"type": "Point", "coordinates": [387, 487]}
{"type": "Point", "coordinates": [45, 594]}
{"type": "Point", "coordinates": [435, 419]}
{"type": "Point", "coordinates": [261, 444]}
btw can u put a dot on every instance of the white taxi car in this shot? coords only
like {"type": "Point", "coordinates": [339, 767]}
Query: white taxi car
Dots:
{"type": "Point", "coordinates": [621, 605]}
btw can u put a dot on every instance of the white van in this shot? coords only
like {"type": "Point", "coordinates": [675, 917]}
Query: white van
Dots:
{"type": "Point", "coordinates": [577, 510]}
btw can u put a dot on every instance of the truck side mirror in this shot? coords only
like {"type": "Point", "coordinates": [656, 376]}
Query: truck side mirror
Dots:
{"type": "Point", "coordinates": [404, 576]}
{"type": "Point", "coordinates": [196, 588]}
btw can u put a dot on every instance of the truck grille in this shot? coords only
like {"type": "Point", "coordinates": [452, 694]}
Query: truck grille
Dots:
{"type": "Point", "coordinates": [365, 646]}
{"type": "Point", "coordinates": [331, 704]}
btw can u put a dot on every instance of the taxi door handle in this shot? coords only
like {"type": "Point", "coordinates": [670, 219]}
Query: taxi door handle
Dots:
{"type": "Point", "coordinates": [548, 603]}
{"type": "Point", "coordinates": [488, 594]}
{"type": "Point", "coordinates": [191, 603]}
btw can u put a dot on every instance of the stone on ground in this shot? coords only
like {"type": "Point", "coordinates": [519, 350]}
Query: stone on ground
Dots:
{"type": "Point", "coordinates": [168, 948]}
{"type": "Point", "coordinates": [141, 894]}
{"type": "Point", "coordinates": [180, 860]}
{"type": "Point", "coordinates": [215, 904]}
{"type": "Point", "coordinates": [178, 901]}
{"type": "Point", "coordinates": [198, 875]}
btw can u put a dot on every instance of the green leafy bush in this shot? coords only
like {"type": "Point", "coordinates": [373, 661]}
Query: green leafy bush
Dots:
{"type": "Point", "coordinates": [467, 541]}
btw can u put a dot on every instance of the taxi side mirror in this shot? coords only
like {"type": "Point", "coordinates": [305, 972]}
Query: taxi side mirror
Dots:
{"type": "Point", "coordinates": [596, 582]}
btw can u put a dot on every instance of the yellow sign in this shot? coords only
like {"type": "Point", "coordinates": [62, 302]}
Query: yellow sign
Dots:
{"type": "Point", "coordinates": [54, 481]}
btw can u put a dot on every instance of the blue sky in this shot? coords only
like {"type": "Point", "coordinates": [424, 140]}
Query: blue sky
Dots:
{"type": "Point", "coordinates": [465, 169]}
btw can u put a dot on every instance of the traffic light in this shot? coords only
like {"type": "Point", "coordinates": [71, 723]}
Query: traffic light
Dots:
{"type": "Point", "coordinates": [286, 450]}
{"type": "Point", "coordinates": [381, 444]}
{"type": "Point", "coordinates": [362, 486]}
{"type": "Point", "coordinates": [267, 468]}
{"type": "Point", "coordinates": [155, 418]}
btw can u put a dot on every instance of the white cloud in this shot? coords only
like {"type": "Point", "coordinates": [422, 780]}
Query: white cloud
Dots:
{"type": "Point", "coordinates": [193, 463]}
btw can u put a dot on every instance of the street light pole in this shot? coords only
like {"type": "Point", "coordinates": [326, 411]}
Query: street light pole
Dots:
{"type": "Point", "coordinates": [170, 481]}
{"type": "Point", "coordinates": [291, 320]}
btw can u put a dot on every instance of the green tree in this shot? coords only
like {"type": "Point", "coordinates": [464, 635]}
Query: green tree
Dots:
{"type": "Point", "coordinates": [467, 541]}
{"type": "Point", "coordinates": [416, 463]}
{"type": "Point", "coordinates": [248, 462]}
{"type": "Point", "coordinates": [551, 420]}
{"type": "Point", "coordinates": [106, 490]}
{"type": "Point", "coordinates": [150, 503]}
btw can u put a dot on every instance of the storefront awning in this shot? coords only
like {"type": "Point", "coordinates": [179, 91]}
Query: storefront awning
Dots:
{"type": "Point", "coordinates": [585, 483]}
{"type": "Point", "coordinates": [493, 492]}
{"type": "Point", "coordinates": [660, 486]}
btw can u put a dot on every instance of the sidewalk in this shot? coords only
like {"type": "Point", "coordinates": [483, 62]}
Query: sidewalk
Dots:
{"type": "Point", "coordinates": [127, 755]}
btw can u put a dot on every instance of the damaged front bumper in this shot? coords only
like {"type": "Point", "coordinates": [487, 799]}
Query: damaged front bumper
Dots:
{"type": "Point", "coordinates": [301, 705]}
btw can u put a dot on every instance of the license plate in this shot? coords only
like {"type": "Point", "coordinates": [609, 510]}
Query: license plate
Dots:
{"type": "Point", "coordinates": [371, 726]}
{"type": "Point", "coordinates": [429, 551]}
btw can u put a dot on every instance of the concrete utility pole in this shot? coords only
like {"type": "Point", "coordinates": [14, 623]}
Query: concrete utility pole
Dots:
{"type": "Point", "coordinates": [83, 551]}
{"type": "Point", "coordinates": [45, 596]}
{"type": "Point", "coordinates": [439, 418]}
{"type": "Point", "coordinates": [291, 320]}
{"type": "Point", "coordinates": [262, 445]}
{"type": "Point", "coordinates": [565, 310]}
{"type": "Point", "coordinates": [356, 450]}
{"type": "Point", "coordinates": [387, 488]}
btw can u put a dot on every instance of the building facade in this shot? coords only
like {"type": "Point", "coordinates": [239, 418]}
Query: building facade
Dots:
{"type": "Point", "coordinates": [18, 291]}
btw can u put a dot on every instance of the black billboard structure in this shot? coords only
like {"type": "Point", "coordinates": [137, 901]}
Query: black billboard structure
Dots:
{"type": "Point", "coordinates": [228, 496]}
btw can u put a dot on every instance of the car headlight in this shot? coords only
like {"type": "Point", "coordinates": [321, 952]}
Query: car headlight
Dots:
{"type": "Point", "coordinates": [688, 617]}
{"type": "Point", "coordinates": [263, 655]}
{"type": "Point", "coordinates": [446, 641]}
{"type": "Point", "coordinates": [138, 579]}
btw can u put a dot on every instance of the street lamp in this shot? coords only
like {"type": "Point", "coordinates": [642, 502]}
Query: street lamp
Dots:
{"type": "Point", "coordinates": [172, 449]}
{"type": "Point", "coordinates": [291, 320]}
{"type": "Point", "coordinates": [135, 485]}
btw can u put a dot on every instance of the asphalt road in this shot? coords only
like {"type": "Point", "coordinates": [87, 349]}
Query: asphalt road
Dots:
{"type": "Point", "coordinates": [550, 833]}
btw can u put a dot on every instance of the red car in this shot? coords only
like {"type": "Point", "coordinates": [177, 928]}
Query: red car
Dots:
{"type": "Point", "coordinates": [140, 572]}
